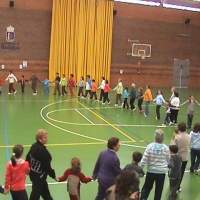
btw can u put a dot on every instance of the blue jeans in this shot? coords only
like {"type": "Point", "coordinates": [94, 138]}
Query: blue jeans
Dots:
{"type": "Point", "coordinates": [147, 108]}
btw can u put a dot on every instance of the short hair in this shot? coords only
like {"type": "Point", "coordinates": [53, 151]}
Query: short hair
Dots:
{"type": "Point", "coordinates": [182, 126]}
{"type": "Point", "coordinates": [133, 85]}
{"type": "Point", "coordinates": [173, 148]}
{"type": "Point", "coordinates": [40, 134]}
{"type": "Point", "coordinates": [127, 183]}
{"type": "Point", "coordinates": [76, 165]}
{"type": "Point", "coordinates": [137, 156]}
{"type": "Point", "coordinates": [103, 77]}
{"type": "Point", "coordinates": [176, 94]}
{"type": "Point", "coordinates": [93, 80]}
{"type": "Point", "coordinates": [112, 142]}
{"type": "Point", "coordinates": [159, 135]}
{"type": "Point", "coordinates": [196, 128]}
{"type": "Point", "coordinates": [72, 75]}
{"type": "Point", "coordinates": [57, 73]}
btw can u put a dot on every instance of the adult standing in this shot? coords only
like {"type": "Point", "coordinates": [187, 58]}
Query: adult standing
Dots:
{"type": "Point", "coordinates": [182, 140]}
{"type": "Point", "coordinates": [156, 157]}
{"type": "Point", "coordinates": [133, 96]}
{"type": "Point", "coordinates": [88, 86]}
{"type": "Point", "coordinates": [119, 92]}
{"type": "Point", "coordinates": [33, 80]}
{"type": "Point", "coordinates": [175, 103]}
{"type": "Point", "coordinates": [195, 148]}
{"type": "Point", "coordinates": [107, 167]}
{"type": "Point", "coordinates": [173, 89]}
{"type": "Point", "coordinates": [11, 78]}
{"type": "Point", "coordinates": [72, 84]}
{"type": "Point", "coordinates": [57, 84]}
{"type": "Point", "coordinates": [102, 86]}
{"type": "Point", "coordinates": [39, 159]}
{"type": "Point", "coordinates": [147, 98]}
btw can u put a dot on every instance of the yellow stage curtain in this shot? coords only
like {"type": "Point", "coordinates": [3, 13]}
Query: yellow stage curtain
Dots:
{"type": "Point", "coordinates": [81, 38]}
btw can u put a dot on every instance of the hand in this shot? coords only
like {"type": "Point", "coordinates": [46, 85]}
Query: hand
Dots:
{"type": "Point", "coordinates": [57, 179]}
{"type": "Point", "coordinates": [6, 191]}
{"type": "Point", "coordinates": [135, 195]}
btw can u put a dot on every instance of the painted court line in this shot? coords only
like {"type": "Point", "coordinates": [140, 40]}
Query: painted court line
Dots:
{"type": "Point", "coordinates": [107, 122]}
{"type": "Point", "coordinates": [84, 116]}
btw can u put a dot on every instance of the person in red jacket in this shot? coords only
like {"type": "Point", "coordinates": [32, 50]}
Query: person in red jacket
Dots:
{"type": "Point", "coordinates": [72, 84]}
{"type": "Point", "coordinates": [74, 175]}
{"type": "Point", "coordinates": [1, 81]}
{"type": "Point", "coordinates": [16, 172]}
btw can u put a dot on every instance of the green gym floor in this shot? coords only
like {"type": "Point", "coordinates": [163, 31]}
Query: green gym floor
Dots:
{"type": "Point", "coordinates": [80, 128]}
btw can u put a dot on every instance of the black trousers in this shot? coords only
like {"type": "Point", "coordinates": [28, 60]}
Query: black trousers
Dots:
{"type": "Point", "coordinates": [19, 195]}
{"type": "Point", "coordinates": [159, 179]}
{"type": "Point", "coordinates": [189, 121]}
{"type": "Point", "coordinates": [184, 163]}
{"type": "Point", "coordinates": [101, 94]}
{"type": "Point", "coordinates": [126, 103]}
{"type": "Point", "coordinates": [173, 188]}
{"type": "Point", "coordinates": [140, 104]}
{"type": "Point", "coordinates": [86, 93]}
{"type": "Point", "coordinates": [132, 103]}
{"type": "Point", "coordinates": [80, 91]}
{"type": "Point", "coordinates": [105, 97]}
{"type": "Point", "coordinates": [40, 189]}
{"type": "Point", "coordinates": [173, 116]}
{"type": "Point", "coordinates": [158, 111]}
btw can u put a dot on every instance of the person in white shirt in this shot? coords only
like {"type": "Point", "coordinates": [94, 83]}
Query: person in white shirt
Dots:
{"type": "Point", "coordinates": [11, 78]}
{"type": "Point", "coordinates": [102, 86]}
{"type": "Point", "coordinates": [175, 106]}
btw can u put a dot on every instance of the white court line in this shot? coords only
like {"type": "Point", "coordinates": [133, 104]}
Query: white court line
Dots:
{"type": "Point", "coordinates": [84, 116]}
{"type": "Point", "coordinates": [74, 133]}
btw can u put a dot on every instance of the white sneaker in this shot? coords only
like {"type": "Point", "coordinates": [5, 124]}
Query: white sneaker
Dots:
{"type": "Point", "coordinates": [100, 101]}
{"type": "Point", "coordinates": [134, 109]}
{"type": "Point", "coordinates": [15, 92]}
{"type": "Point", "coordinates": [103, 103]}
{"type": "Point", "coordinates": [170, 123]}
{"type": "Point", "coordinates": [163, 124]}
{"type": "Point", "coordinates": [109, 102]}
{"type": "Point", "coordinates": [9, 93]}
{"type": "Point", "coordinates": [179, 190]}
{"type": "Point", "coordinates": [116, 104]}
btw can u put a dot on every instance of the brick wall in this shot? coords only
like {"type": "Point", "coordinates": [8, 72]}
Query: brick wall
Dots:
{"type": "Point", "coordinates": [159, 27]}
{"type": "Point", "coordinates": [32, 23]}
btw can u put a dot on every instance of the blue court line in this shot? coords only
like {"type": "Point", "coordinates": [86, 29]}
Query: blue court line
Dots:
{"type": "Point", "coordinates": [6, 126]}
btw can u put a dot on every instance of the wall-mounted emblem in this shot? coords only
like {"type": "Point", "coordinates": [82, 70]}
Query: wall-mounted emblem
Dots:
{"type": "Point", "coordinates": [10, 34]}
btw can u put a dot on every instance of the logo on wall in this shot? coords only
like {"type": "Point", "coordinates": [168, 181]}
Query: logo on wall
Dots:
{"type": "Point", "coordinates": [10, 34]}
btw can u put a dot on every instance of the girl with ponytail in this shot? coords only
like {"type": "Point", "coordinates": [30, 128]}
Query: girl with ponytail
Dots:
{"type": "Point", "coordinates": [16, 172]}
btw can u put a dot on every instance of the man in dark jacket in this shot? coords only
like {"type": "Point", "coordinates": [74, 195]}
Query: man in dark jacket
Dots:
{"type": "Point", "coordinates": [39, 159]}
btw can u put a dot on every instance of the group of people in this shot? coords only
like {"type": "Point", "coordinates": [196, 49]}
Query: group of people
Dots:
{"type": "Point", "coordinates": [114, 183]}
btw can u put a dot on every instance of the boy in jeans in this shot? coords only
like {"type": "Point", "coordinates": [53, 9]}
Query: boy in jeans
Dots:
{"type": "Point", "coordinates": [174, 171]}
{"type": "Point", "coordinates": [137, 156]}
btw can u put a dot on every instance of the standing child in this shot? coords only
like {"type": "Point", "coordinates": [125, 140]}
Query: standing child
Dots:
{"type": "Point", "coordinates": [140, 98]}
{"type": "Point", "coordinates": [147, 98]}
{"type": "Point", "coordinates": [107, 89]}
{"type": "Point", "coordinates": [11, 78]}
{"type": "Point", "coordinates": [46, 86]}
{"type": "Point", "coordinates": [33, 80]}
{"type": "Point", "coordinates": [190, 111]}
{"type": "Point", "coordinates": [1, 81]}
{"type": "Point", "coordinates": [159, 100]}
{"type": "Point", "coordinates": [119, 92]}
{"type": "Point", "coordinates": [174, 171]}
{"type": "Point", "coordinates": [88, 86]}
{"type": "Point", "coordinates": [16, 172]}
{"type": "Point", "coordinates": [167, 115]}
{"type": "Point", "coordinates": [57, 84]}
{"type": "Point", "coordinates": [133, 96]}
{"type": "Point", "coordinates": [22, 81]}
{"type": "Point", "coordinates": [81, 85]}
{"type": "Point", "coordinates": [136, 158]}
{"type": "Point", "coordinates": [126, 96]}
{"type": "Point", "coordinates": [74, 176]}
{"type": "Point", "coordinates": [94, 90]}
{"type": "Point", "coordinates": [72, 84]}
{"type": "Point", "coordinates": [102, 86]}
{"type": "Point", "coordinates": [63, 83]}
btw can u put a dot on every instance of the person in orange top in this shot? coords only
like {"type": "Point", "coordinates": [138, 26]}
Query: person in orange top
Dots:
{"type": "Point", "coordinates": [72, 84]}
{"type": "Point", "coordinates": [94, 90]}
{"type": "Point", "coordinates": [107, 89]}
{"type": "Point", "coordinates": [147, 98]}
{"type": "Point", "coordinates": [16, 172]}
{"type": "Point", "coordinates": [74, 176]}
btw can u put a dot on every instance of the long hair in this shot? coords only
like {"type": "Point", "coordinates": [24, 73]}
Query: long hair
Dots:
{"type": "Point", "coordinates": [76, 165]}
{"type": "Point", "coordinates": [17, 153]}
